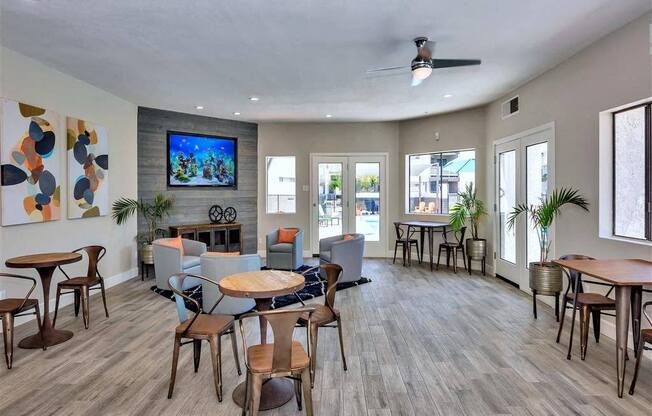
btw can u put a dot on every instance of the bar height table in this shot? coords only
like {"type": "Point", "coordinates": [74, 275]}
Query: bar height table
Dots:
{"type": "Point", "coordinates": [425, 227]}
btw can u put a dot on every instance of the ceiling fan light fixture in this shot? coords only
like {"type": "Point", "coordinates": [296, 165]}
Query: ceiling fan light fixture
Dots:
{"type": "Point", "coordinates": [421, 72]}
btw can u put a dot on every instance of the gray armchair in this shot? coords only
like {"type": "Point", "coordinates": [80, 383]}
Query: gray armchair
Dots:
{"type": "Point", "coordinates": [215, 267]}
{"type": "Point", "coordinates": [347, 253]}
{"type": "Point", "coordinates": [284, 256]}
{"type": "Point", "coordinates": [168, 259]}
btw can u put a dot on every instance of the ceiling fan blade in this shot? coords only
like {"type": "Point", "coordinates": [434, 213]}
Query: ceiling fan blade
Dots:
{"type": "Point", "coordinates": [390, 68]}
{"type": "Point", "coordinates": [448, 63]}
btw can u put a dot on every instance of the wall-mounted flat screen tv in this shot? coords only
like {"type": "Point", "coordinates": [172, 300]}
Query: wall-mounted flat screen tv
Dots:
{"type": "Point", "coordinates": [201, 160]}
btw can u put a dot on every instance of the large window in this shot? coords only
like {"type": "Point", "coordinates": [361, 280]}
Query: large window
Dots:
{"type": "Point", "coordinates": [632, 173]}
{"type": "Point", "coordinates": [435, 180]}
{"type": "Point", "coordinates": [281, 185]}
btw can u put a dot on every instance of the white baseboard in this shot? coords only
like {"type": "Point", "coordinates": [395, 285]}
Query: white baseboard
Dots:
{"type": "Point", "coordinates": [68, 299]}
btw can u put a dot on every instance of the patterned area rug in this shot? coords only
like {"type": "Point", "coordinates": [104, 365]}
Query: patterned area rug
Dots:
{"type": "Point", "coordinates": [315, 287]}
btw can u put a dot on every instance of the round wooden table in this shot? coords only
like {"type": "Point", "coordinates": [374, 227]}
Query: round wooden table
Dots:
{"type": "Point", "coordinates": [262, 286]}
{"type": "Point", "coordinates": [45, 264]}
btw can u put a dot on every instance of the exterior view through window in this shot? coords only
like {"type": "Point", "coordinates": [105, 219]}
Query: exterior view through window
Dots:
{"type": "Point", "coordinates": [281, 185]}
{"type": "Point", "coordinates": [632, 165]}
{"type": "Point", "coordinates": [436, 179]}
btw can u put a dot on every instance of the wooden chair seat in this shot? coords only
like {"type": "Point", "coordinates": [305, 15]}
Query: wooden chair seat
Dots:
{"type": "Point", "coordinates": [80, 281]}
{"type": "Point", "coordinates": [13, 305]}
{"type": "Point", "coordinates": [321, 316]}
{"type": "Point", "coordinates": [260, 357]}
{"type": "Point", "coordinates": [206, 325]}
{"type": "Point", "coordinates": [592, 299]}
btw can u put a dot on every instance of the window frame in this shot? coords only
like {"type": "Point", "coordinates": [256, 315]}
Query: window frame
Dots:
{"type": "Point", "coordinates": [648, 171]}
{"type": "Point", "coordinates": [278, 212]}
{"type": "Point", "coordinates": [440, 181]}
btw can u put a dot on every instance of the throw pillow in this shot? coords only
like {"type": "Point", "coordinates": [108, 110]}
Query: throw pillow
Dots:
{"type": "Point", "coordinates": [348, 237]}
{"type": "Point", "coordinates": [286, 235]}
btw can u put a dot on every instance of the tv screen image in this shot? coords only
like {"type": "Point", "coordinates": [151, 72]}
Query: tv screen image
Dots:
{"type": "Point", "coordinates": [201, 160]}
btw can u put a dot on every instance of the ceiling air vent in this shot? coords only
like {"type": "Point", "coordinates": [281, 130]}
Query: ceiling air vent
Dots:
{"type": "Point", "coordinates": [509, 107]}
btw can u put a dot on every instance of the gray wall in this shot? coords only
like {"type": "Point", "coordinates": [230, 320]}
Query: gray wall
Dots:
{"type": "Point", "coordinates": [192, 204]}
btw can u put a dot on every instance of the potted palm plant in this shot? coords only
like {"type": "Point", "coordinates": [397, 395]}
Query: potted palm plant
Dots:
{"type": "Point", "coordinates": [546, 277]}
{"type": "Point", "coordinates": [469, 208]}
{"type": "Point", "coordinates": [152, 211]}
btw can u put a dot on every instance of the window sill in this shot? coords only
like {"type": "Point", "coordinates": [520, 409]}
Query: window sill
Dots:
{"type": "Point", "coordinates": [627, 240]}
{"type": "Point", "coordinates": [280, 213]}
{"type": "Point", "coordinates": [427, 214]}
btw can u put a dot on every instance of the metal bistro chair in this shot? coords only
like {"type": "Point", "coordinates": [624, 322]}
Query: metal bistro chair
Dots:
{"type": "Point", "coordinates": [284, 358]}
{"type": "Point", "coordinates": [452, 247]}
{"type": "Point", "coordinates": [646, 336]}
{"type": "Point", "coordinates": [201, 327]}
{"type": "Point", "coordinates": [589, 304]}
{"type": "Point", "coordinates": [81, 286]}
{"type": "Point", "coordinates": [325, 315]}
{"type": "Point", "coordinates": [13, 307]}
{"type": "Point", "coordinates": [406, 241]}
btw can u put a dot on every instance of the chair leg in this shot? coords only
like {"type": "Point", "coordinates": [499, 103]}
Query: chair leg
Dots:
{"type": "Point", "coordinates": [86, 313]}
{"type": "Point", "coordinates": [234, 345]}
{"type": "Point", "coordinates": [596, 324]}
{"type": "Point", "coordinates": [464, 259]}
{"type": "Point", "coordinates": [216, 366]}
{"type": "Point", "coordinates": [584, 330]}
{"type": "Point", "coordinates": [438, 257]}
{"type": "Point", "coordinates": [40, 324]}
{"type": "Point", "coordinates": [256, 389]}
{"type": "Point", "coordinates": [106, 310]}
{"type": "Point", "coordinates": [418, 252]}
{"type": "Point", "coordinates": [77, 296]}
{"type": "Point", "coordinates": [557, 306]}
{"type": "Point", "coordinates": [314, 337]}
{"type": "Point", "coordinates": [245, 405]}
{"type": "Point", "coordinates": [339, 330]}
{"type": "Point", "coordinates": [395, 249]}
{"type": "Point", "coordinates": [448, 258]}
{"type": "Point", "coordinates": [534, 303]}
{"type": "Point", "coordinates": [297, 389]}
{"type": "Point", "coordinates": [56, 307]}
{"type": "Point", "coordinates": [564, 302]}
{"type": "Point", "coordinates": [307, 391]}
{"type": "Point", "coordinates": [175, 361]}
{"type": "Point", "coordinates": [8, 333]}
{"type": "Point", "coordinates": [196, 353]}
{"type": "Point", "coordinates": [639, 355]}
{"type": "Point", "coordinates": [404, 254]}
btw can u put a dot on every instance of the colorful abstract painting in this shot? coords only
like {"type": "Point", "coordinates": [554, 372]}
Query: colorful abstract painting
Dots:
{"type": "Point", "coordinates": [30, 163]}
{"type": "Point", "coordinates": [88, 169]}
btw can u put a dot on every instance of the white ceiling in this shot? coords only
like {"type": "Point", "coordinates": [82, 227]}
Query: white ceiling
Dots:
{"type": "Point", "coordinates": [304, 58]}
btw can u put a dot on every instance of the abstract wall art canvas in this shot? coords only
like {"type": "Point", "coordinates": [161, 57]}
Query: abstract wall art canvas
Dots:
{"type": "Point", "coordinates": [88, 169]}
{"type": "Point", "coordinates": [30, 163]}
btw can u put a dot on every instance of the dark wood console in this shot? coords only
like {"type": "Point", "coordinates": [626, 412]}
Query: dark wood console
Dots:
{"type": "Point", "coordinates": [218, 237]}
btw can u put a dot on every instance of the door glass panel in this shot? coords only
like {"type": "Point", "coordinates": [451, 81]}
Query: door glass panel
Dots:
{"type": "Point", "coordinates": [506, 202]}
{"type": "Point", "coordinates": [537, 190]}
{"type": "Point", "coordinates": [330, 199]}
{"type": "Point", "coordinates": [367, 200]}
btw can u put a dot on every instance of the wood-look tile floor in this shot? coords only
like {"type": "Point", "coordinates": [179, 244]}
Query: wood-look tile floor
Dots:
{"type": "Point", "coordinates": [417, 343]}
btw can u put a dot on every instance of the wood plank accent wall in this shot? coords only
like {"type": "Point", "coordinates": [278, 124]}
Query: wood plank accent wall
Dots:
{"type": "Point", "coordinates": [192, 204]}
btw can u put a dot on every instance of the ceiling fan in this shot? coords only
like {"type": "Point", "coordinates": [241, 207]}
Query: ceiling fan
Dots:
{"type": "Point", "coordinates": [424, 63]}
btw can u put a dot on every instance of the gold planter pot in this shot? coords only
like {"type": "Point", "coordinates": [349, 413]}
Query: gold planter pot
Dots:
{"type": "Point", "coordinates": [545, 278]}
{"type": "Point", "coordinates": [147, 254]}
{"type": "Point", "coordinates": [476, 249]}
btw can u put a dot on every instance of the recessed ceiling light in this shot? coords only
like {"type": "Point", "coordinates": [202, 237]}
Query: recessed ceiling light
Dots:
{"type": "Point", "coordinates": [236, 113]}
{"type": "Point", "coordinates": [199, 107]}
{"type": "Point", "coordinates": [329, 115]}
{"type": "Point", "coordinates": [254, 98]}
{"type": "Point", "coordinates": [448, 95]}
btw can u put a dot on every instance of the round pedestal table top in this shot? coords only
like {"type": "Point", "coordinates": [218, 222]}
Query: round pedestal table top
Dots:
{"type": "Point", "coordinates": [261, 284]}
{"type": "Point", "coordinates": [42, 260]}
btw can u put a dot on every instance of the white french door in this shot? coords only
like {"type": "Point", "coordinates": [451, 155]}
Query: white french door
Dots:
{"type": "Point", "coordinates": [524, 173]}
{"type": "Point", "coordinates": [348, 194]}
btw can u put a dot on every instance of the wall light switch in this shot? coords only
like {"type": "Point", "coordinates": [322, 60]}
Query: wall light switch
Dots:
{"type": "Point", "coordinates": [305, 188]}
{"type": "Point", "coordinates": [436, 136]}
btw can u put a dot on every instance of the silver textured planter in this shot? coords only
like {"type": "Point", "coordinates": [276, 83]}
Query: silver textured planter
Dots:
{"type": "Point", "coordinates": [545, 279]}
{"type": "Point", "coordinates": [476, 249]}
{"type": "Point", "coordinates": [147, 254]}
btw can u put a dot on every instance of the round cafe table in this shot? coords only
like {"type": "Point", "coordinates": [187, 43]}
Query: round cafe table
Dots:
{"type": "Point", "coordinates": [45, 264]}
{"type": "Point", "coordinates": [262, 286]}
